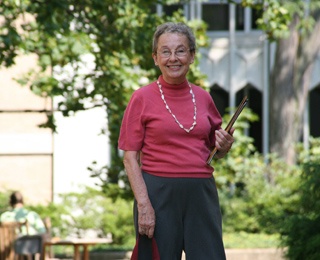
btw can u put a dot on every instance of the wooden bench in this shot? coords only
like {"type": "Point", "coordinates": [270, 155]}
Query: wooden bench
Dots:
{"type": "Point", "coordinates": [8, 234]}
{"type": "Point", "coordinates": [14, 246]}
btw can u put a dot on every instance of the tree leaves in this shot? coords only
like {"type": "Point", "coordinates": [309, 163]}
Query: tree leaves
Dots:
{"type": "Point", "coordinates": [89, 52]}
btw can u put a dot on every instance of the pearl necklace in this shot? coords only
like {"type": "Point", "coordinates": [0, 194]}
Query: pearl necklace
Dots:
{"type": "Point", "coordinates": [175, 118]}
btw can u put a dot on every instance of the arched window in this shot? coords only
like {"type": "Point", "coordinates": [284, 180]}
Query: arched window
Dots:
{"type": "Point", "coordinates": [255, 104]}
{"type": "Point", "coordinates": [314, 99]}
{"type": "Point", "coordinates": [170, 9]}
{"type": "Point", "coordinates": [220, 98]}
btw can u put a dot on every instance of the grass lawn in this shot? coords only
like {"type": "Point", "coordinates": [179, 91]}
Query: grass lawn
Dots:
{"type": "Point", "coordinates": [246, 240]}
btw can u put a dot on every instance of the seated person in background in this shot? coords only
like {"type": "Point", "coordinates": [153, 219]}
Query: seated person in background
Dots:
{"type": "Point", "coordinates": [20, 213]}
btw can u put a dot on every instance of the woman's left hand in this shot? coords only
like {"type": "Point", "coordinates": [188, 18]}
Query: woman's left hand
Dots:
{"type": "Point", "coordinates": [224, 141]}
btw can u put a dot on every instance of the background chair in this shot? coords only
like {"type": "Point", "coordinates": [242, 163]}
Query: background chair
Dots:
{"type": "Point", "coordinates": [31, 246]}
{"type": "Point", "coordinates": [8, 234]}
{"type": "Point", "coordinates": [14, 246]}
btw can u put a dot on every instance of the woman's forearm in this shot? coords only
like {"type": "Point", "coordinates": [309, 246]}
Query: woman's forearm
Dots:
{"type": "Point", "coordinates": [136, 180]}
{"type": "Point", "coordinates": [146, 214]}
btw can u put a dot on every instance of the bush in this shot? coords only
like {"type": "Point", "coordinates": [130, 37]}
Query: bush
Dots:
{"type": "Point", "coordinates": [91, 213]}
{"type": "Point", "coordinates": [55, 213]}
{"type": "Point", "coordinates": [301, 232]}
{"type": "Point", "coordinates": [4, 201]}
{"type": "Point", "coordinates": [262, 201]}
{"type": "Point", "coordinates": [256, 196]}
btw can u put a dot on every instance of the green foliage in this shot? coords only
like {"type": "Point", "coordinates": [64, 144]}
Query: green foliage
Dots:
{"type": "Point", "coordinates": [230, 168]}
{"type": "Point", "coordinates": [275, 20]}
{"type": "Point", "coordinates": [4, 201]}
{"type": "Point", "coordinates": [256, 196]}
{"type": "Point", "coordinates": [90, 53]}
{"type": "Point", "coordinates": [271, 198]}
{"type": "Point", "coordinates": [54, 212]}
{"type": "Point", "coordinates": [92, 210]}
{"type": "Point", "coordinates": [78, 213]}
{"type": "Point", "coordinates": [277, 15]}
{"type": "Point", "coordinates": [303, 238]}
{"type": "Point", "coordinates": [301, 231]}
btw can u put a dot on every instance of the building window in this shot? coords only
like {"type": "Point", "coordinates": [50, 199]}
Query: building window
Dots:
{"type": "Point", "coordinates": [240, 18]}
{"type": "Point", "coordinates": [216, 16]}
{"type": "Point", "coordinates": [255, 128]}
{"type": "Point", "coordinates": [256, 14]}
{"type": "Point", "coordinates": [314, 97]}
{"type": "Point", "coordinates": [215, 13]}
{"type": "Point", "coordinates": [170, 9]}
{"type": "Point", "coordinates": [220, 98]}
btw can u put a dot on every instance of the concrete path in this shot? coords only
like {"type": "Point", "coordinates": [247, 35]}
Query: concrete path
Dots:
{"type": "Point", "coordinates": [232, 254]}
{"type": "Point", "coordinates": [255, 254]}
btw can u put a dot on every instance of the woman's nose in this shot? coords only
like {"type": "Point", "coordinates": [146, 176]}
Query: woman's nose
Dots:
{"type": "Point", "coordinates": [173, 56]}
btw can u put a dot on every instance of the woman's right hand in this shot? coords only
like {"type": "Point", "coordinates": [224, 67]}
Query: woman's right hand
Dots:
{"type": "Point", "coordinates": [146, 219]}
{"type": "Point", "coordinates": [146, 214]}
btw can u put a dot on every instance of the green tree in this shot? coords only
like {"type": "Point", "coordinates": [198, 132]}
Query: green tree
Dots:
{"type": "Point", "coordinates": [294, 26]}
{"type": "Point", "coordinates": [116, 34]}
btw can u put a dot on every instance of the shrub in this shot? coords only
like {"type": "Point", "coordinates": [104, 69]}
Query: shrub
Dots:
{"type": "Point", "coordinates": [256, 195]}
{"type": "Point", "coordinates": [301, 231]}
{"type": "Point", "coordinates": [4, 201]}
{"type": "Point", "coordinates": [90, 213]}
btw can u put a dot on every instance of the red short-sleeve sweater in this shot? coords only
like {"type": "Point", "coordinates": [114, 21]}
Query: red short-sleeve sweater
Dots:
{"type": "Point", "coordinates": [166, 149]}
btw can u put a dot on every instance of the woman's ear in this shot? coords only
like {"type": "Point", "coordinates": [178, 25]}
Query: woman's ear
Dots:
{"type": "Point", "coordinates": [154, 56]}
{"type": "Point", "coordinates": [193, 55]}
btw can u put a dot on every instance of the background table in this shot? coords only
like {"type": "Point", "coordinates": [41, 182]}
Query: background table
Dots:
{"type": "Point", "coordinates": [76, 243]}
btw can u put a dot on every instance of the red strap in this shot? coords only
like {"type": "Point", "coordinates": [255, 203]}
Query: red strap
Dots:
{"type": "Point", "coordinates": [135, 252]}
{"type": "Point", "coordinates": [155, 251]}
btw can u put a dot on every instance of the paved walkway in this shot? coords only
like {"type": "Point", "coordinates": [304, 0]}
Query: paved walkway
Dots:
{"type": "Point", "coordinates": [232, 254]}
{"type": "Point", "coordinates": [255, 254]}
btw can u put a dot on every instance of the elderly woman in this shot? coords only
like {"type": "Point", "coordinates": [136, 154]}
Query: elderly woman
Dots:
{"type": "Point", "coordinates": [168, 130]}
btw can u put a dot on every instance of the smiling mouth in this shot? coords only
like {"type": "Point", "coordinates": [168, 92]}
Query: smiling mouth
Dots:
{"type": "Point", "coordinates": [174, 66]}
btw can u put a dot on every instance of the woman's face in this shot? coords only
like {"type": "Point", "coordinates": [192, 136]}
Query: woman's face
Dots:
{"type": "Point", "coordinates": [173, 57]}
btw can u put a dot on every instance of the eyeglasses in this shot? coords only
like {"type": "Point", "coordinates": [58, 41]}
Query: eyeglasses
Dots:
{"type": "Point", "coordinates": [166, 53]}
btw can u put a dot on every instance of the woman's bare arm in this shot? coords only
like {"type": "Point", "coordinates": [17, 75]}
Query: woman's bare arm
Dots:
{"type": "Point", "coordinates": [146, 214]}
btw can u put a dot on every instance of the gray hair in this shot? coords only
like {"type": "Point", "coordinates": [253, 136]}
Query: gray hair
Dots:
{"type": "Point", "coordinates": [171, 27]}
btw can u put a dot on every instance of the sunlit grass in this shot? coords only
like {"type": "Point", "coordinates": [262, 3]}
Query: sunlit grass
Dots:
{"type": "Point", "coordinates": [246, 240]}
